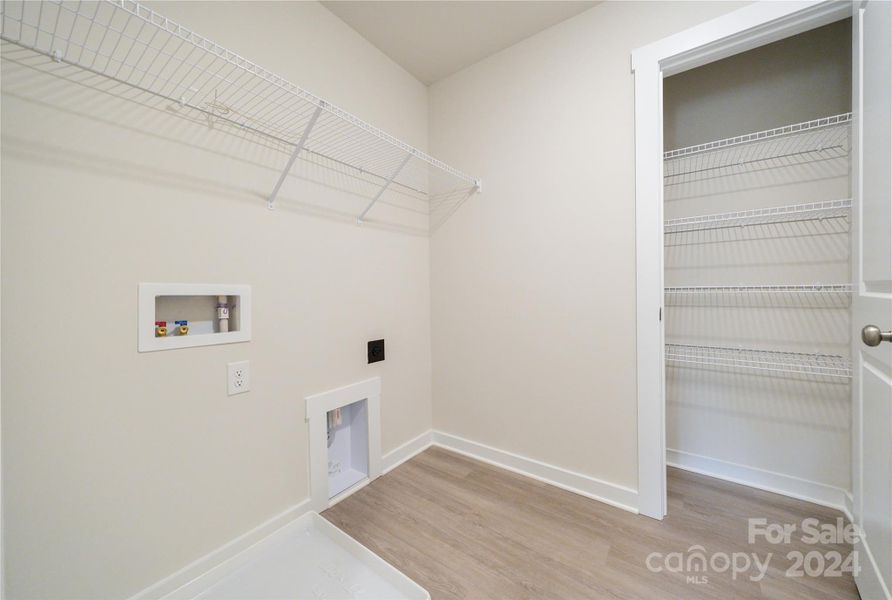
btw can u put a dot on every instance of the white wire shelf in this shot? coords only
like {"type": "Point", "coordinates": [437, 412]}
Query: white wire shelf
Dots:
{"type": "Point", "coordinates": [797, 295]}
{"type": "Point", "coordinates": [795, 144]}
{"type": "Point", "coordinates": [818, 365]}
{"type": "Point", "coordinates": [830, 209]}
{"type": "Point", "coordinates": [132, 44]}
{"type": "Point", "coordinates": [835, 288]}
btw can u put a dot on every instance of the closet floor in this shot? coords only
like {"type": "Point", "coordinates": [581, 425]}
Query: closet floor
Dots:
{"type": "Point", "coordinates": [464, 529]}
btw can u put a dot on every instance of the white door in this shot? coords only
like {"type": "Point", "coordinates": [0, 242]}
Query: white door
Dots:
{"type": "Point", "coordinates": [872, 301]}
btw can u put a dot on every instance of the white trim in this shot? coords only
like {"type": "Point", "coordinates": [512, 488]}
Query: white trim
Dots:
{"type": "Point", "coordinates": [220, 562]}
{"type": "Point", "coordinates": [743, 29]}
{"type": "Point", "coordinates": [746, 28]}
{"type": "Point", "coordinates": [201, 573]}
{"type": "Point", "coordinates": [870, 585]}
{"type": "Point", "coordinates": [407, 451]}
{"type": "Point", "coordinates": [770, 481]}
{"type": "Point", "coordinates": [596, 489]}
{"type": "Point", "coordinates": [348, 492]}
{"type": "Point", "coordinates": [584, 485]}
{"type": "Point", "coordinates": [210, 562]}
{"type": "Point", "coordinates": [649, 299]}
{"type": "Point", "coordinates": [317, 407]}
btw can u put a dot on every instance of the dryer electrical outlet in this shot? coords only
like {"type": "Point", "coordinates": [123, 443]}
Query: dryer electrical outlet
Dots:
{"type": "Point", "coordinates": [376, 351]}
{"type": "Point", "coordinates": [238, 377]}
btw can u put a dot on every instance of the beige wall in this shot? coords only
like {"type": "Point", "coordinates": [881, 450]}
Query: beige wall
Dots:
{"type": "Point", "coordinates": [810, 77]}
{"type": "Point", "coordinates": [533, 282]}
{"type": "Point", "coordinates": [120, 468]}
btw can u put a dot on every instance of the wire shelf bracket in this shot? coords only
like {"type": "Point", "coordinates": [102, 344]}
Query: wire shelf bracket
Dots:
{"type": "Point", "coordinates": [271, 203]}
{"type": "Point", "coordinates": [129, 43]}
{"type": "Point", "coordinates": [359, 220]}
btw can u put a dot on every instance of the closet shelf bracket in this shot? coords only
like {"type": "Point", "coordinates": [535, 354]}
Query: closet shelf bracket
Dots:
{"type": "Point", "coordinates": [383, 188]}
{"type": "Point", "coordinates": [271, 203]}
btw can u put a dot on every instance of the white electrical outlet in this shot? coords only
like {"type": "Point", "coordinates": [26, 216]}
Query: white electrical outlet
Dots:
{"type": "Point", "coordinates": [239, 377]}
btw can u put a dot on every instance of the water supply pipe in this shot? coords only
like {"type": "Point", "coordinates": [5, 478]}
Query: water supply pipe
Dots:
{"type": "Point", "coordinates": [223, 313]}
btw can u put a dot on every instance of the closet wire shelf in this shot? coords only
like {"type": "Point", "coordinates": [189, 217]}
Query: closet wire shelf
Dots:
{"type": "Point", "coordinates": [829, 209]}
{"type": "Point", "coordinates": [796, 144]}
{"type": "Point", "coordinates": [818, 295]}
{"type": "Point", "coordinates": [816, 365]}
{"type": "Point", "coordinates": [835, 288]}
{"type": "Point", "coordinates": [132, 44]}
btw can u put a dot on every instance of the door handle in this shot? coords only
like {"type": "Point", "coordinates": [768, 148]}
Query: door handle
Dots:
{"type": "Point", "coordinates": [872, 336]}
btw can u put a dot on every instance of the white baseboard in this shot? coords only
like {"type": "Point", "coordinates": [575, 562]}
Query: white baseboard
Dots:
{"type": "Point", "coordinates": [849, 507]}
{"type": "Point", "coordinates": [584, 485]}
{"type": "Point", "coordinates": [217, 558]}
{"type": "Point", "coordinates": [220, 560]}
{"type": "Point", "coordinates": [399, 455]}
{"type": "Point", "coordinates": [223, 560]}
{"type": "Point", "coordinates": [614, 495]}
{"type": "Point", "coordinates": [870, 583]}
{"type": "Point", "coordinates": [778, 483]}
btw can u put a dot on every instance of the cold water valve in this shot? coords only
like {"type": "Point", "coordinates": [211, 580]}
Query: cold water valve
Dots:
{"type": "Point", "coordinates": [182, 327]}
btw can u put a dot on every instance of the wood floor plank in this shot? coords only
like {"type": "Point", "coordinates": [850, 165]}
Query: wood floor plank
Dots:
{"type": "Point", "coordinates": [468, 530]}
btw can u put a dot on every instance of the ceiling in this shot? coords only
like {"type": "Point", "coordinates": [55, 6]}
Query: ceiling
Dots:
{"type": "Point", "coordinates": [433, 40]}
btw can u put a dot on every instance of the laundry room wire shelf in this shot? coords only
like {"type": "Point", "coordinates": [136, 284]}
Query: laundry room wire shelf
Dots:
{"type": "Point", "coordinates": [817, 365]}
{"type": "Point", "coordinates": [829, 209]}
{"type": "Point", "coordinates": [795, 144]}
{"type": "Point", "coordinates": [133, 44]}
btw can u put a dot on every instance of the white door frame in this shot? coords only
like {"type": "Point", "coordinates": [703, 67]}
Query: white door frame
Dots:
{"type": "Point", "coordinates": [746, 28]}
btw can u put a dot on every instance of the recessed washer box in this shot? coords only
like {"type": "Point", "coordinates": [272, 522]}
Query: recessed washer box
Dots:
{"type": "Point", "coordinates": [197, 304]}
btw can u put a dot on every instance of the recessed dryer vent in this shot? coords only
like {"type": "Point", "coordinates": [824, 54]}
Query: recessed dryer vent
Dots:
{"type": "Point", "coordinates": [345, 440]}
{"type": "Point", "coordinates": [348, 446]}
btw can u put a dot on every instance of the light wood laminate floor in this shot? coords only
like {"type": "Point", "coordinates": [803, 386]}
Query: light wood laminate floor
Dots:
{"type": "Point", "coordinates": [465, 529]}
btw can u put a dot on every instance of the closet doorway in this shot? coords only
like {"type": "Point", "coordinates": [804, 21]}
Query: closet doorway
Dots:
{"type": "Point", "coordinates": [765, 270]}
{"type": "Point", "coordinates": [757, 266]}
